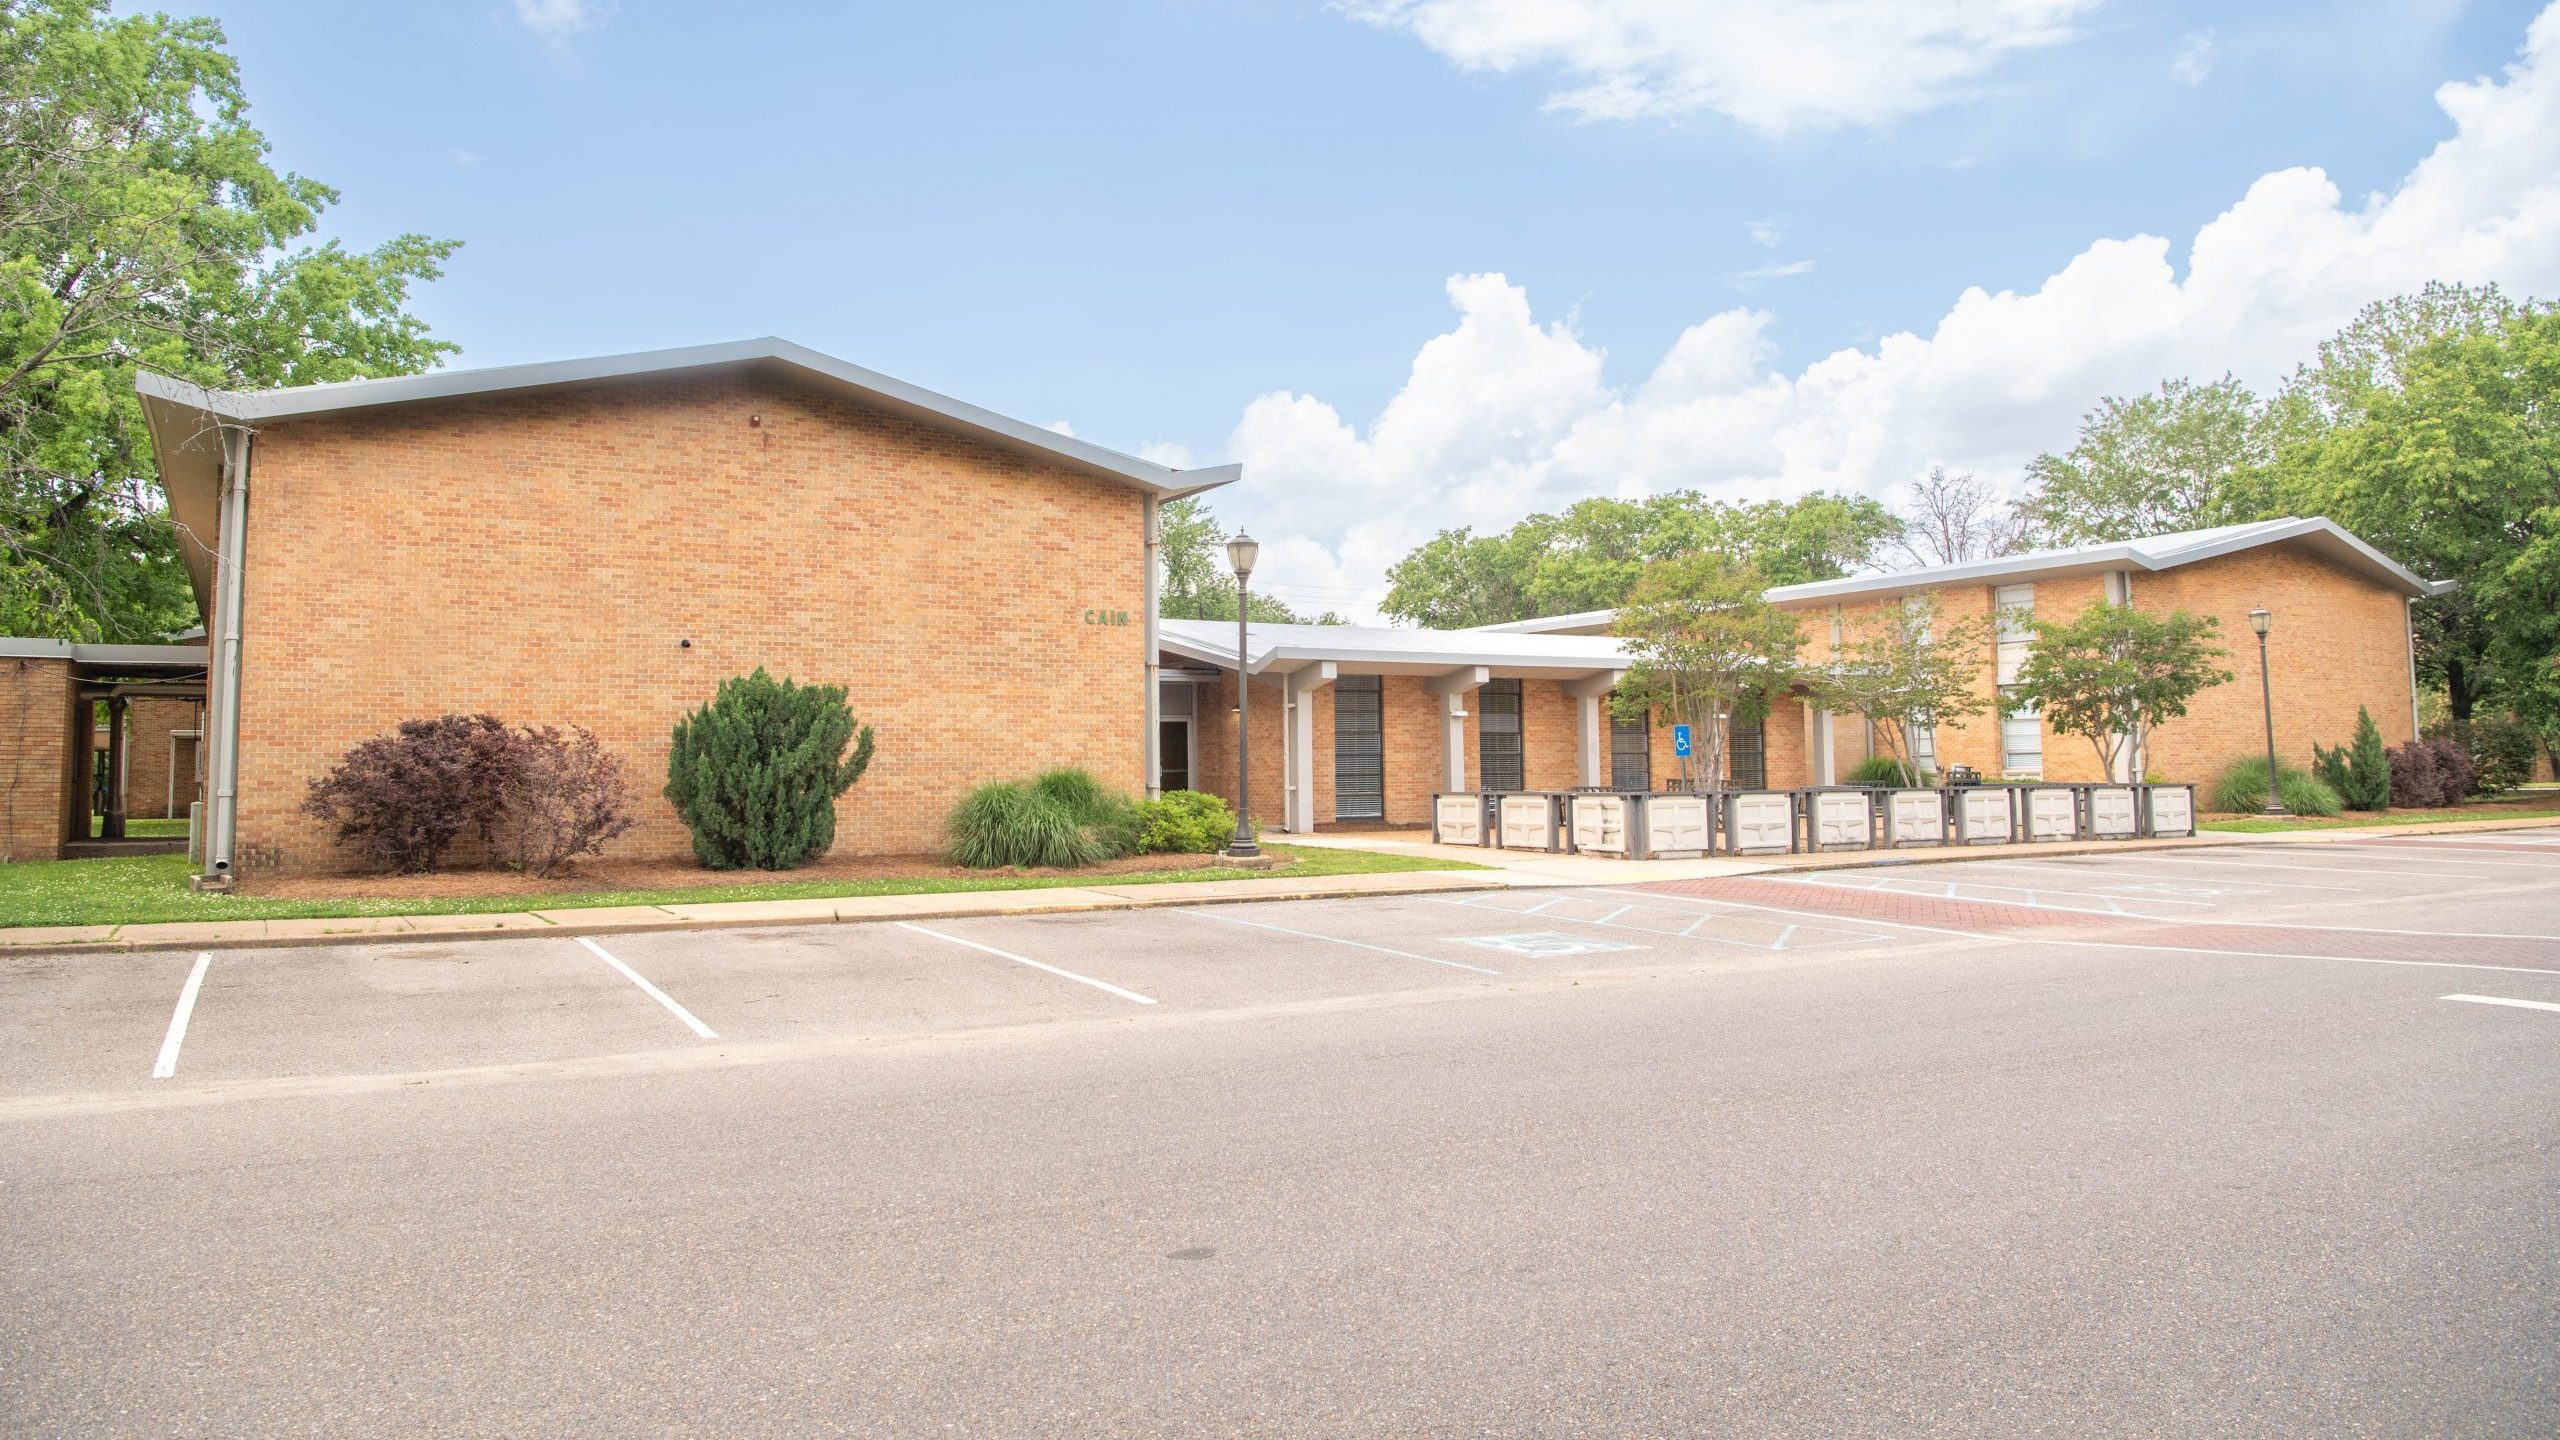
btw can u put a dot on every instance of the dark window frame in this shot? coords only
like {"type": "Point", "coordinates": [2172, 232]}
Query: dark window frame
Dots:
{"type": "Point", "coordinates": [1501, 748]}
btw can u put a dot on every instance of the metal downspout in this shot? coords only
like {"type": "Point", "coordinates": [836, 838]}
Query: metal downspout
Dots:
{"type": "Point", "coordinates": [1154, 747]}
{"type": "Point", "coordinates": [223, 824]}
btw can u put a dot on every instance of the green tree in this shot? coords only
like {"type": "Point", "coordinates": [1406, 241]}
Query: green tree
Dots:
{"type": "Point", "coordinates": [1705, 648]}
{"type": "Point", "coordinates": [2112, 674]}
{"type": "Point", "coordinates": [1198, 583]}
{"type": "Point", "coordinates": [2360, 772]}
{"type": "Point", "coordinates": [141, 227]}
{"type": "Point", "coordinates": [1590, 556]}
{"type": "Point", "coordinates": [1910, 668]}
{"type": "Point", "coordinates": [756, 771]}
{"type": "Point", "coordinates": [2444, 452]}
{"type": "Point", "coordinates": [2150, 464]}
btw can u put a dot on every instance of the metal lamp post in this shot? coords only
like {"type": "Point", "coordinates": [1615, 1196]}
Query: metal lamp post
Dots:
{"type": "Point", "coordinates": [1241, 552]}
{"type": "Point", "coordinates": [2259, 619]}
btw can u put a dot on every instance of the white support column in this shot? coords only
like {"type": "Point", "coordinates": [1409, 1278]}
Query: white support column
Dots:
{"type": "Point", "coordinates": [1587, 693]}
{"type": "Point", "coordinates": [1822, 763]}
{"type": "Point", "coordinates": [1453, 689]}
{"type": "Point", "coordinates": [1298, 744]}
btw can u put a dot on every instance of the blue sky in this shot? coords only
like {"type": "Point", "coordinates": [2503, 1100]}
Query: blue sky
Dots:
{"type": "Point", "coordinates": [1232, 226]}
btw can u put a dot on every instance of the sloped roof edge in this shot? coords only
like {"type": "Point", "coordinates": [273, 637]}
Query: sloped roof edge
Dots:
{"type": "Point", "coordinates": [253, 406]}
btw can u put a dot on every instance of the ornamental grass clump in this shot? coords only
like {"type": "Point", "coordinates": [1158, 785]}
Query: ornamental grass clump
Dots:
{"type": "Point", "coordinates": [755, 772]}
{"type": "Point", "coordinates": [2243, 790]}
{"type": "Point", "coordinates": [1884, 770]}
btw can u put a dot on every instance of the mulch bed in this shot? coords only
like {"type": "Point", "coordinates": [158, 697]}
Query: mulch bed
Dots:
{"type": "Point", "coordinates": [616, 875]}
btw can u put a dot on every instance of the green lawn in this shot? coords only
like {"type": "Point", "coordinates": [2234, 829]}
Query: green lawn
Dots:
{"type": "Point", "coordinates": [143, 889]}
{"type": "Point", "coordinates": [2259, 825]}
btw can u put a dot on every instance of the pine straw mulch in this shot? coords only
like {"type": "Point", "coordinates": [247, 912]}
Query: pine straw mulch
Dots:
{"type": "Point", "coordinates": [613, 876]}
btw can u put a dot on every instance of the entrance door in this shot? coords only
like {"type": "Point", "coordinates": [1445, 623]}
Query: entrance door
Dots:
{"type": "Point", "coordinates": [1359, 750]}
{"type": "Point", "coordinates": [1173, 754]}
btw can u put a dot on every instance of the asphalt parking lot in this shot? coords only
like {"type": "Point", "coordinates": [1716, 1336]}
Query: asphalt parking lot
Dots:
{"type": "Point", "coordinates": [2244, 1140]}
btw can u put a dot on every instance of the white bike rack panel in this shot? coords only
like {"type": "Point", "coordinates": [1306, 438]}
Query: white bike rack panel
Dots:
{"type": "Point", "coordinates": [1600, 824]}
{"type": "Point", "coordinates": [1916, 817]}
{"type": "Point", "coordinates": [1842, 821]}
{"type": "Point", "coordinates": [2111, 812]}
{"type": "Point", "coordinates": [1985, 816]}
{"type": "Point", "coordinates": [2053, 813]}
{"type": "Point", "coordinates": [1528, 822]}
{"type": "Point", "coordinates": [1460, 819]}
{"type": "Point", "coordinates": [1675, 826]}
{"type": "Point", "coordinates": [2173, 810]}
{"type": "Point", "coordinates": [1763, 824]}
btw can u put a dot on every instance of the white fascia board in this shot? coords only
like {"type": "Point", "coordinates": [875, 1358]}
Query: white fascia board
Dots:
{"type": "Point", "coordinates": [2124, 555]}
{"type": "Point", "coordinates": [347, 395]}
{"type": "Point", "coordinates": [84, 652]}
{"type": "Point", "coordinates": [1581, 622]}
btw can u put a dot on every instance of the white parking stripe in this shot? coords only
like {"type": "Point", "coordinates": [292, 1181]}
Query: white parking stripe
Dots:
{"type": "Point", "coordinates": [166, 1067]}
{"type": "Point", "coordinates": [1354, 944]}
{"type": "Point", "coordinates": [2112, 876]}
{"type": "Point", "coordinates": [1131, 996]}
{"type": "Point", "coordinates": [2159, 859]}
{"type": "Point", "coordinates": [2502, 1000]}
{"type": "Point", "coordinates": [652, 991]}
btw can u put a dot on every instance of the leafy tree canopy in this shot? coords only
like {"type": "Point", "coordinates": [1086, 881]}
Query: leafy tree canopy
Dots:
{"type": "Point", "coordinates": [1705, 647]}
{"type": "Point", "coordinates": [1590, 556]}
{"type": "Point", "coordinates": [141, 227]}
{"type": "Point", "coordinates": [1198, 583]}
{"type": "Point", "coordinates": [2112, 673]}
{"type": "Point", "coordinates": [1909, 666]}
{"type": "Point", "coordinates": [2147, 465]}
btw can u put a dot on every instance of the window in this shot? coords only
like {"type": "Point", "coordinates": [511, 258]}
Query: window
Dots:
{"type": "Point", "coordinates": [1499, 762]}
{"type": "Point", "coordinates": [1359, 750]}
{"type": "Point", "coordinates": [1631, 753]}
{"type": "Point", "coordinates": [1748, 756]}
{"type": "Point", "coordinates": [2021, 729]}
{"type": "Point", "coordinates": [1922, 741]}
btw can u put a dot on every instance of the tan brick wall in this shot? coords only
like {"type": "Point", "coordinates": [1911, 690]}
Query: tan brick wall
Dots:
{"type": "Point", "coordinates": [1217, 735]}
{"type": "Point", "coordinates": [2337, 641]}
{"type": "Point", "coordinates": [1550, 736]}
{"type": "Point", "coordinates": [39, 764]}
{"type": "Point", "coordinates": [1409, 715]}
{"type": "Point", "coordinates": [2345, 645]}
{"type": "Point", "coordinates": [149, 722]}
{"type": "Point", "coordinates": [541, 556]}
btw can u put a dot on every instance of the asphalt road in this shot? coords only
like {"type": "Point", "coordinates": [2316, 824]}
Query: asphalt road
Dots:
{"type": "Point", "coordinates": [2145, 1144]}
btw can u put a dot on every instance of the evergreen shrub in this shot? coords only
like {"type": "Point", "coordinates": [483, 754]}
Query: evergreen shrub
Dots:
{"type": "Point", "coordinates": [1185, 822]}
{"type": "Point", "coordinates": [756, 771]}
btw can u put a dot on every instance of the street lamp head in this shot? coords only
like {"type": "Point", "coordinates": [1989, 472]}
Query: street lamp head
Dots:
{"type": "Point", "coordinates": [1242, 550]}
{"type": "Point", "coordinates": [2259, 618]}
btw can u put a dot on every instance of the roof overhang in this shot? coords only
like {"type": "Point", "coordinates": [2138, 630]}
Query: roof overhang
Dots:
{"type": "Point", "coordinates": [153, 660]}
{"type": "Point", "coordinates": [1378, 650]}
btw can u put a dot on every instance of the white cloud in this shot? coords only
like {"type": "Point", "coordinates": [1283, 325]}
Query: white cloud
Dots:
{"type": "Point", "coordinates": [1503, 415]}
{"type": "Point", "coordinates": [1774, 272]}
{"type": "Point", "coordinates": [557, 20]}
{"type": "Point", "coordinates": [1061, 427]}
{"type": "Point", "coordinates": [2194, 60]}
{"type": "Point", "coordinates": [1167, 453]}
{"type": "Point", "coordinates": [1768, 234]}
{"type": "Point", "coordinates": [1774, 65]}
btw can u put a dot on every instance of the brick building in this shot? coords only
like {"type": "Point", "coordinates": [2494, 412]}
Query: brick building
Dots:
{"type": "Point", "coordinates": [1475, 709]}
{"type": "Point", "coordinates": [602, 542]}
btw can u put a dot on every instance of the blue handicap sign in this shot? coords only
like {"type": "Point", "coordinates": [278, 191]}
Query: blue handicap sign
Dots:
{"type": "Point", "coordinates": [1679, 739]}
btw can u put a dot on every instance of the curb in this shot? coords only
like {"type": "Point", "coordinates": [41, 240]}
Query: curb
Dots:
{"type": "Point", "coordinates": [628, 920]}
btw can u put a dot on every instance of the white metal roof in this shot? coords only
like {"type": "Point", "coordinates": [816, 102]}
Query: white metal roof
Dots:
{"type": "Point", "coordinates": [82, 652]}
{"type": "Point", "coordinates": [2149, 553]}
{"type": "Point", "coordinates": [177, 397]}
{"type": "Point", "coordinates": [1393, 650]}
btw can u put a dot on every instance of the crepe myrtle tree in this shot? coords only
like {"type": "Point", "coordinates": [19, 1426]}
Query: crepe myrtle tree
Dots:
{"type": "Point", "coordinates": [1705, 645]}
{"type": "Point", "coordinates": [2112, 673]}
{"type": "Point", "coordinates": [1910, 667]}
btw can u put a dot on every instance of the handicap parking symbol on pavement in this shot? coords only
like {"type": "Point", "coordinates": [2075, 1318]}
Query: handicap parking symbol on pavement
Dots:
{"type": "Point", "coordinates": [1547, 943]}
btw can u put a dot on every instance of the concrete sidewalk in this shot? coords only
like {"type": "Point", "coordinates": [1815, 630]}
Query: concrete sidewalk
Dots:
{"type": "Point", "coordinates": [1506, 869]}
